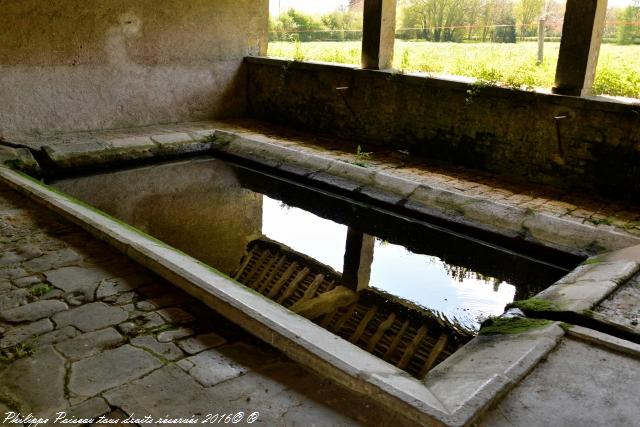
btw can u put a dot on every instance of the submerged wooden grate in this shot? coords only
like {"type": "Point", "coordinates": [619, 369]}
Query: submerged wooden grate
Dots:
{"type": "Point", "coordinates": [411, 338]}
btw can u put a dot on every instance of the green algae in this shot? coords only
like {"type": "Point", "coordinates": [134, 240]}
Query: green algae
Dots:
{"type": "Point", "coordinates": [512, 325]}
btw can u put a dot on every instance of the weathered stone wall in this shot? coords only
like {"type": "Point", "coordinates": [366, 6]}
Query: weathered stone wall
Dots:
{"type": "Point", "coordinates": [570, 143]}
{"type": "Point", "coordinates": [90, 64]}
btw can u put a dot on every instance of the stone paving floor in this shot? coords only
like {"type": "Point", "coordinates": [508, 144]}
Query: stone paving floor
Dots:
{"type": "Point", "coordinates": [86, 331]}
{"type": "Point", "coordinates": [579, 384]}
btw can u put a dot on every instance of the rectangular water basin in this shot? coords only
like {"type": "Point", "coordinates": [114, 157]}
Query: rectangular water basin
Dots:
{"type": "Point", "coordinates": [400, 287]}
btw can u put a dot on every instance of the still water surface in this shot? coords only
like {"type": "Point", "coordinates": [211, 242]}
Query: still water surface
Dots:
{"type": "Point", "coordinates": [212, 210]}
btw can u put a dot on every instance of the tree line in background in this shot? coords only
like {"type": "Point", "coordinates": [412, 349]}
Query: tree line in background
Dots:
{"type": "Point", "coordinates": [501, 21]}
{"type": "Point", "coordinates": [628, 24]}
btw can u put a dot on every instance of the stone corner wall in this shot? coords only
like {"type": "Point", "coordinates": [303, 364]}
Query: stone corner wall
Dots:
{"type": "Point", "coordinates": [85, 65]}
{"type": "Point", "coordinates": [569, 143]}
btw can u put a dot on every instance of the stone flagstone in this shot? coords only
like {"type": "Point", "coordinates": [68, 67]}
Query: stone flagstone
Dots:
{"type": "Point", "coordinates": [90, 343]}
{"type": "Point", "coordinates": [56, 336]}
{"type": "Point", "coordinates": [25, 282]}
{"type": "Point", "coordinates": [174, 334]}
{"type": "Point", "coordinates": [175, 315]}
{"type": "Point", "coordinates": [110, 369]}
{"type": "Point", "coordinates": [91, 317]}
{"type": "Point", "coordinates": [174, 392]}
{"type": "Point", "coordinates": [15, 298]}
{"type": "Point", "coordinates": [212, 367]}
{"type": "Point", "coordinates": [34, 311]}
{"type": "Point", "coordinates": [53, 260]}
{"type": "Point", "coordinates": [71, 279]}
{"type": "Point", "coordinates": [202, 342]}
{"type": "Point", "coordinates": [115, 286]}
{"type": "Point", "coordinates": [37, 382]}
{"type": "Point", "coordinates": [5, 286]}
{"type": "Point", "coordinates": [22, 333]}
{"type": "Point", "coordinates": [167, 351]}
{"type": "Point", "coordinates": [88, 410]}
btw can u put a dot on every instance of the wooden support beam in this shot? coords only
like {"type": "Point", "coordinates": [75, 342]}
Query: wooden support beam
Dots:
{"type": "Point", "coordinates": [584, 22]}
{"type": "Point", "coordinates": [378, 34]}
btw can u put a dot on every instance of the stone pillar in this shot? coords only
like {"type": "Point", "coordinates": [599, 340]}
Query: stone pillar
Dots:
{"type": "Point", "coordinates": [584, 22]}
{"type": "Point", "coordinates": [378, 34]}
{"type": "Point", "coordinates": [358, 257]}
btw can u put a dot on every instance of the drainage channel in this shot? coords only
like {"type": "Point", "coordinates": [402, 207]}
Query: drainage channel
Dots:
{"type": "Point", "coordinates": [406, 291]}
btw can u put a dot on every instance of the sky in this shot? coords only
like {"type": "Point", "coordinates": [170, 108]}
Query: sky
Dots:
{"type": "Point", "coordinates": [324, 6]}
{"type": "Point", "coordinates": [309, 6]}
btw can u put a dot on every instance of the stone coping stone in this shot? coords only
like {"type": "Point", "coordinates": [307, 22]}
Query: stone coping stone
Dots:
{"type": "Point", "coordinates": [604, 340]}
{"type": "Point", "coordinates": [454, 393]}
{"type": "Point", "coordinates": [589, 284]}
{"type": "Point", "coordinates": [426, 198]}
{"type": "Point", "coordinates": [19, 158]}
{"type": "Point", "coordinates": [104, 150]}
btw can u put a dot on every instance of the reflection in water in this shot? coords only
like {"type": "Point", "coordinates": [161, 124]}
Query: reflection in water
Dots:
{"type": "Point", "coordinates": [428, 281]}
{"type": "Point", "coordinates": [304, 232]}
{"type": "Point", "coordinates": [457, 292]}
{"type": "Point", "coordinates": [201, 210]}
{"type": "Point", "coordinates": [212, 210]}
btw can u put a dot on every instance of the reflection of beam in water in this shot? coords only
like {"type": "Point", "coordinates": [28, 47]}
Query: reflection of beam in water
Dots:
{"type": "Point", "coordinates": [412, 338]}
{"type": "Point", "coordinates": [358, 257]}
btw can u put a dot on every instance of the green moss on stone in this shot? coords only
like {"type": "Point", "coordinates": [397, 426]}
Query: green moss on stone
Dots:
{"type": "Point", "coordinates": [16, 352]}
{"type": "Point", "coordinates": [40, 290]}
{"type": "Point", "coordinates": [512, 325]}
{"type": "Point", "coordinates": [592, 260]}
{"type": "Point", "coordinates": [535, 304]}
{"type": "Point", "coordinates": [600, 221]}
{"type": "Point", "coordinates": [566, 326]}
{"type": "Point", "coordinates": [211, 138]}
{"type": "Point", "coordinates": [162, 328]}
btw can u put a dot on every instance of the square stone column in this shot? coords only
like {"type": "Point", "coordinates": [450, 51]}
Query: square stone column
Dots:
{"type": "Point", "coordinates": [584, 22]}
{"type": "Point", "coordinates": [378, 34]}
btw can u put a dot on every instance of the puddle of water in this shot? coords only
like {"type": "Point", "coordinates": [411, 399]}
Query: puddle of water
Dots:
{"type": "Point", "coordinates": [213, 210]}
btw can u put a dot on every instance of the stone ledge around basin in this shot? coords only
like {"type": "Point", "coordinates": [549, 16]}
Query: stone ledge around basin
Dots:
{"type": "Point", "coordinates": [576, 297]}
{"type": "Point", "coordinates": [589, 284]}
{"type": "Point", "coordinates": [455, 393]}
{"type": "Point", "coordinates": [427, 198]}
{"type": "Point", "coordinates": [78, 152]}
{"type": "Point", "coordinates": [101, 151]}
{"type": "Point", "coordinates": [19, 158]}
{"type": "Point", "coordinates": [604, 340]}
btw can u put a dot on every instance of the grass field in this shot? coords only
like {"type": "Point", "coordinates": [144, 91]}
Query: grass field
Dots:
{"type": "Point", "coordinates": [512, 65]}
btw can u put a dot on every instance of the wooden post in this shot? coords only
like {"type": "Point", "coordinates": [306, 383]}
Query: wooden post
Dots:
{"type": "Point", "coordinates": [378, 34]}
{"type": "Point", "coordinates": [584, 22]}
{"type": "Point", "coordinates": [541, 34]}
{"type": "Point", "coordinates": [358, 257]}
